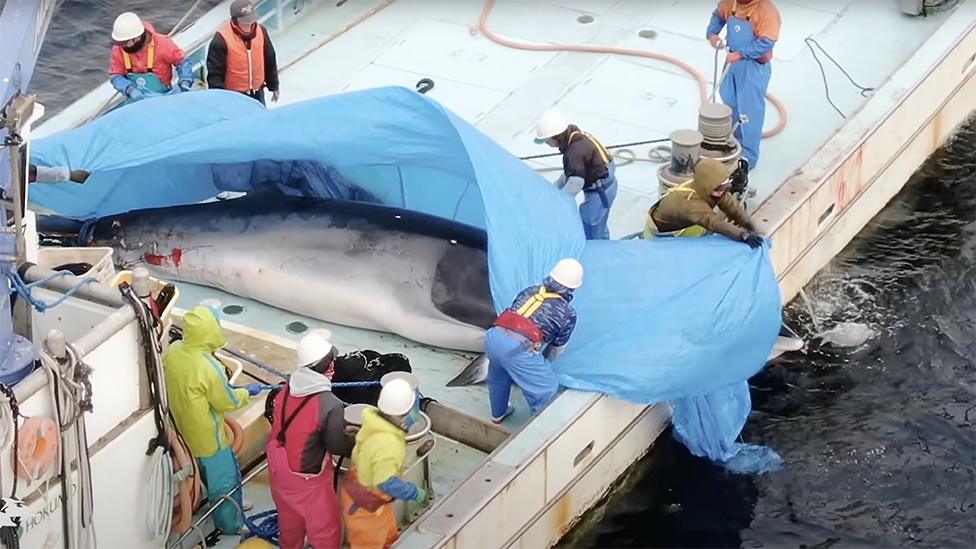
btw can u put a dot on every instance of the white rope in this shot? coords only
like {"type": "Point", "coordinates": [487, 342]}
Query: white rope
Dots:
{"type": "Point", "coordinates": [162, 486]}
{"type": "Point", "coordinates": [66, 398]}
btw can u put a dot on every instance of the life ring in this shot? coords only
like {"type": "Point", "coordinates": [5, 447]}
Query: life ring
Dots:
{"type": "Point", "coordinates": [38, 440]}
{"type": "Point", "coordinates": [235, 435]}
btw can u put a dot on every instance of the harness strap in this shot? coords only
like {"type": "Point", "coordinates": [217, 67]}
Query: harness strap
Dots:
{"type": "Point", "coordinates": [735, 6]}
{"type": "Point", "coordinates": [604, 154]}
{"type": "Point", "coordinates": [532, 304]}
{"type": "Point", "coordinates": [681, 188]}
{"type": "Point", "coordinates": [287, 422]}
{"type": "Point", "coordinates": [150, 57]}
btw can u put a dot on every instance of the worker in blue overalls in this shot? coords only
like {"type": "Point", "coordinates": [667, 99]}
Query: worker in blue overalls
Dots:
{"type": "Point", "coordinates": [587, 166]}
{"type": "Point", "coordinates": [753, 29]}
{"type": "Point", "coordinates": [528, 336]}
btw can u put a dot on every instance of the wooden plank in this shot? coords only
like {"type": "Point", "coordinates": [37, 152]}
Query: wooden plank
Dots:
{"type": "Point", "coordinates": [467, 430]}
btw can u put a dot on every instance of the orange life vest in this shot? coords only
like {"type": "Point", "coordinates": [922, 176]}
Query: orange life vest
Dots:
{"type": "Point", "coordinates": [245, 67]}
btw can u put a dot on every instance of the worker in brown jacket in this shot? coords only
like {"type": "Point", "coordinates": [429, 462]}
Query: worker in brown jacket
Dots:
{"type": "Point", "coordinates": [689, 208]}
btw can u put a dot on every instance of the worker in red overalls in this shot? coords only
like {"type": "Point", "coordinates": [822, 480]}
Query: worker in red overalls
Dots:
{"type": "Point", "coordinates": [307, 430]}
{"type": "Point", "coordinates": [143, 60]}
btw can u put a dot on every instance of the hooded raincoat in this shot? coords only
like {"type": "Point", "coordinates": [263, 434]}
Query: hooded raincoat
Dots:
{"type": "Point", "coordinates": [691, 204]}
{"type": "Point", "coordinates": [199, 396]}
{"type": "Point", "coordinates": [377, 460]}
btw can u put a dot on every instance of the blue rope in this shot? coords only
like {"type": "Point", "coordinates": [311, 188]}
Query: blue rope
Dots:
{"type": "Point", "coordinates": [342, 384]}
{"type": "Point", "coordinates": [86, 232]}
{"type": "Point", "coordinates": [337, 385]}
{"type": "Point", "coordinates": [23, 289]}
{"type": "Point", "coordinates": [256, 362]}
{"type": "Point", "coordinates": [263, 525]}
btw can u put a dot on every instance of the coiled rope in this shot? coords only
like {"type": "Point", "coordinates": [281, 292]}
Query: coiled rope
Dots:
{"type": "Point", "coordinates": [23, 289]}
{"type": "Point", "coordinates": [9, 412]}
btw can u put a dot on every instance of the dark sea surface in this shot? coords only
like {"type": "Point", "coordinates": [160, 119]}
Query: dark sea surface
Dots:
{"type": "Point", "coordinates": [879, 441]}
{"type": "Point", "coordinates": [74, 57]}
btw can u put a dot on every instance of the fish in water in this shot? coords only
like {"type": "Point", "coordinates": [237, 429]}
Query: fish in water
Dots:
{"type": "Point", "coordinates": [350, 263]}
{"type": "Point", "coordinates": [847, 334]}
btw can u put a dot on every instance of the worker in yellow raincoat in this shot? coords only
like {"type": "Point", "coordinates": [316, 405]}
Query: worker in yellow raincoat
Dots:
{"type": "Point", "coordinates": [199, 396]}
{"type": "Point", "coordinates": [378, 459]}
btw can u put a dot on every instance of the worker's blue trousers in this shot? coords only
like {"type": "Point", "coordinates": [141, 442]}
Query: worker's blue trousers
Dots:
{"type": "Point", "coordinates": [222, 474]}
{"type": "Point", "coordinates": [511, 360]}
{"type": "Point", "coordinates": [593, 213]}
{"type": "Point", "coordinates": [744, 90]}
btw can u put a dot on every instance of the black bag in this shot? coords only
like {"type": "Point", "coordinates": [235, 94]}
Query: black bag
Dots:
{"type": "Point", "coordinates": [365, 365]}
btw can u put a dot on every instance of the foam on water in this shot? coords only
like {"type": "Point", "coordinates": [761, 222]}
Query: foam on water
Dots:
{"type": "Point", "coordinates": [878, 438]}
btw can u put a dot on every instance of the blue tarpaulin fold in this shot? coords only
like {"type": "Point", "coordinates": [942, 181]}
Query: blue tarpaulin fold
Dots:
{"type": "Point", "coordinates": [659, 320]}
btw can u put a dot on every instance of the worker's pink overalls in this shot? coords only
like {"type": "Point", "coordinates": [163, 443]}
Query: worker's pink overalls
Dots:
{"type": "Point", "coordinates": [307, 504]}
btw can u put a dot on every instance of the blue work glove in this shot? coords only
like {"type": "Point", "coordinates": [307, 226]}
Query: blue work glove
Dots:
{"type": "Point", "coordinates": [185, 85]}
{"type": "Point", "coordinates": [254, 389]}
{"type": "Point", "coordinates": [398, 488]}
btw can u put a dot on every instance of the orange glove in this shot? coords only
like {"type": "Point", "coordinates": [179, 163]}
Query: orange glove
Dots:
{"type": "Point", "coordinates": [732, 57]}
{"type": "Point", "coordinates": [716, 41]}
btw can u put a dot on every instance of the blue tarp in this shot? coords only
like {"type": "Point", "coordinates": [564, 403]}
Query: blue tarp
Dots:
{"type": "Point", "coordinates": [659, 320]}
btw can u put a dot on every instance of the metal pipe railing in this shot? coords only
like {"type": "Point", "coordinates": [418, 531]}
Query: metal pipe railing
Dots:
{"type": "Point", "coordinates": [98, 293]}
{"type": "Point", "coordinates": [229, 497]}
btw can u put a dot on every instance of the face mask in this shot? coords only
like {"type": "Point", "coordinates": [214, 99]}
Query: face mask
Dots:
{"type": "Point", "coordinates": [136, 45]}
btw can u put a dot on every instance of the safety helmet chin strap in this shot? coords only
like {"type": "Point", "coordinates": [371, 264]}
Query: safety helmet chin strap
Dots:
{"type": "Point", "coordinates": [393, 420]}
{"type": "Point", "coordinates": [326, 365]}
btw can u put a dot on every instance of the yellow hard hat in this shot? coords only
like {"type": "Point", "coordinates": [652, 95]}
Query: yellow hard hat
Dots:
{"type": "Point", "coordinates": [255, 543]}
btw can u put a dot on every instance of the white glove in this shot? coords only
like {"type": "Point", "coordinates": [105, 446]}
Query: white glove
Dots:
{"type": "Point", "coordinates": [55, 174]}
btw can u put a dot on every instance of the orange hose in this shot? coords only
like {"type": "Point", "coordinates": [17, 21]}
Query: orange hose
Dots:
{"type": "Point", "coordinates": [235, 434]}
{"type": "Point", "coordinates": [702, 85]}
{"type": "Point", "coordinates": [183, 505]}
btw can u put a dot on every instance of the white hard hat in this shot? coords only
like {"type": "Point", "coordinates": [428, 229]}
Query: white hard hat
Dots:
{"type": "Point", "coordinates": [551, 124]}
{"type": "Point", "coordinates": [396, 398]}
{"type": "Point", "coordinates": [314, 347]}
{"type": "Point", "coordinates": [127, 26]}
{"type": "Point", "coordinates": [568, 272]}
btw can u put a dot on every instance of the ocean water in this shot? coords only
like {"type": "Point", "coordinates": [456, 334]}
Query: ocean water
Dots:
{"type": "Point", "coordinates": [879, 441]}
{"type": "Point", "coordinates": [75, 55]}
